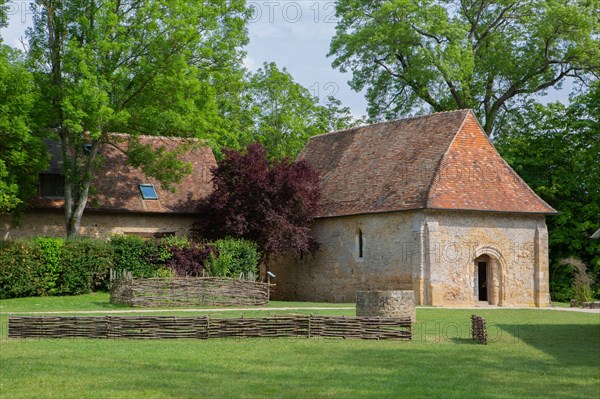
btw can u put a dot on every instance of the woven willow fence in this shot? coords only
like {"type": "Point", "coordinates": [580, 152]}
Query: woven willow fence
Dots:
{"type": "Point", "coordinates": [479, 329]}
{"type": "Point", "coordinates": [153, 327]}
{"type": "Point", "coordinates": [186, 291]}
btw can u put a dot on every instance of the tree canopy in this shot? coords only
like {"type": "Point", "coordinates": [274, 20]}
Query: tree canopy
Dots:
{"type": "Point", "coordinates": [270, 202]}
{"type": "Point", "coordinates": [137, 67]}
{"type": "Point", "coordinates": [449, 54]}
{"type": "Point", "coordinates": [556, 150]}
{"type": "Point", "coordinates": [284, 114]}
{"type": "Point", "coordinates": [23, 153]}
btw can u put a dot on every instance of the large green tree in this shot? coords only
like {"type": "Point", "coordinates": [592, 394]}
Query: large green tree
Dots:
{"type": "Point", "coordinates": [133, 66]}
{"type": "Point", "coordinates": [556, 149]}
{"type": "Point", "coordinates": [22, 152]}
{"type": "Point", "coordinates": [439, 55]}
{"type": "Point", "coordinates": [283, 114]}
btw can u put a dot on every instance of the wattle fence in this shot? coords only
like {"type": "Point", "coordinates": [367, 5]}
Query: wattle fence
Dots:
{"type": "Point", "coordinates": [186, 291]}
{"type": "Point", "coordinates": [158, 327]}
{"type": "Point", "coordinates": [479, 329]}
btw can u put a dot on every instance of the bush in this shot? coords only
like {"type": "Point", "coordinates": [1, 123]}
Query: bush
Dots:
{"type": "Point", "coordinates": [190, 260]}
{"type": "Point", "coordinates": [581, 282]}
{"type": "Point", "coordinates": [53, 266]}
{"type": "Point", "coordinates": [164, 248]}
{"type": "Point", "coordinates": [51, 252]}
{"type": "Point", "coordinates": [142, 258]}
{"type": "Point", "coordinates": [235, 256]}
{"type": "Point", "coordinates": [20, 267]}
{"type": "Point", "coordinates": [561, 282]}
{"type": "Point", "coordinates": [86, 265]}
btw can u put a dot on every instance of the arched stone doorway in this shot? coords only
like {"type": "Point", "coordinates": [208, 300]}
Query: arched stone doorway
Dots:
{"type": "Point", "coordinates": [482, 279]}
{"type": "Point", "coordinates": [488, 278]}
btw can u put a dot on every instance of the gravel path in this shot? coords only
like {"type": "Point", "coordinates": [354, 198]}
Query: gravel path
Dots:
{"type": "Point", "coordinates": [263, 309]}
{"type": "Point", "coordinates": [489, 307]}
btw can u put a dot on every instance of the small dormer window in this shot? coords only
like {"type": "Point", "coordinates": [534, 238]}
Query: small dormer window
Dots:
{"type": "Point", "coordinates": [148, 192]}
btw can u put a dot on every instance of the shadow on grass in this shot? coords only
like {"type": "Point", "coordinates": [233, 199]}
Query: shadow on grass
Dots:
{"type": "Point", "coordinates": [291, 368]}
{"type": "Point", "coordinates": [570, 344]}
{"type": "Point", "coordinates": [464, 341]}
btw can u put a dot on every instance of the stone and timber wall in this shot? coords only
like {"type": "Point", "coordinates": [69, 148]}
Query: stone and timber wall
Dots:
{"type": "Point", "coordinates": [95, 224]}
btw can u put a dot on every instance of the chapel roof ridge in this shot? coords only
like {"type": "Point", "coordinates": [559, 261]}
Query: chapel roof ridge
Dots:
{"type": "Point", "coordinates": [409, 118]}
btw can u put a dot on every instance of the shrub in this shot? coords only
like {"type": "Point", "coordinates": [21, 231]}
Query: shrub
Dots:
{"type": "Point", "coordinates": [581, 281]}
{"type": "Point", "coordinates": [271, 202]}
{"type": "Point", "coordinates": [163, 247]}
{"type": "Point", "coordinates": [190, 260]}
{"type": "Point", "coordinates": [165, 272]}
{"type": "Point", "coordinates": [20, 266]}
{"type": "Point", "coordinates": [52, 266]}
{"type": "Point", "coordinates": [51, 263]}
{"type": "Point", "coordinates": [136, 255]}
{"type": "Point", "coordinates": [86, 263]}
{"type": "Point", "coordinates": [235, 256]}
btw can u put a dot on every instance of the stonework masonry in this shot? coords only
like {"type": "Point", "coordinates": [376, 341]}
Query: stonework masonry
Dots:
{"type": "Point", "coordinates": [95, 224]}
{"type": "Point", "coordinates": [513, 246]}
{"type": "Point", "coordinates": [337, 271]}
{"type": "Point", "coordinates": [432, 252]}
{"type": "Point", "coordinates": [392, 304]}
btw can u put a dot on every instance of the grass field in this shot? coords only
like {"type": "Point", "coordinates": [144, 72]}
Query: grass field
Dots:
{"type": "Point", "coordinates": [531, 353]}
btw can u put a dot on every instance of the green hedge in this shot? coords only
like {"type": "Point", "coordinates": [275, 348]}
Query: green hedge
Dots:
{"type": "Point", "coordinates": [20, 268]}
{"type": "Point", "coordinates": [51, 253]}
{"type": "Point", "coordinates": [149, 258]}
{"type": "Point", "coordinates": [235, 256]}
{"type": "Point", "coordinates": [53, 266]}
{"type": "Point", "coordinates": [135, 254]}
{"type": "Point", "coordinates": [86, 265]}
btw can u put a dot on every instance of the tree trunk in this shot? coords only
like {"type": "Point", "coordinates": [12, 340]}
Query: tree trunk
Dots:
{"type": "Point", "coordinates": [75, 206]}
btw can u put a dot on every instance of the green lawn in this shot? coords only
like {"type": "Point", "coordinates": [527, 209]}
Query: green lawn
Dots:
{"type": "Point", "coordinates": [531, 353]}
{"type": "Point", "coordinates": [99, 301]}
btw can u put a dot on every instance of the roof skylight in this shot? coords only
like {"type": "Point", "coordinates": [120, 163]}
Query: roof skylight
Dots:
{"type": "Point", "coordinates": [148, 192]}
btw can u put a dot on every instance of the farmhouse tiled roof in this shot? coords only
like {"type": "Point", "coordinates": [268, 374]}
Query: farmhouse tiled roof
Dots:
{"type": "Point", "coordinates": [439, 161]}
{"type": "Point", "coordinates": [116, 183]}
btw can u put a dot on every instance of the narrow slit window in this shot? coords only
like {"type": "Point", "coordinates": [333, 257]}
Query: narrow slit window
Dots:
{"type": "Point", "coordinates": [360, 243]}
{"type": "Point", "coordinates": [148, 192]}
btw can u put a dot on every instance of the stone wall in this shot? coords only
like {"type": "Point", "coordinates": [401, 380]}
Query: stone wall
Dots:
{"type": "Point", "coordinates": [95, 224]}
{"type": "Point", "coordinates": [393, 304]}
{"type": "Point", "coordinates": [430, 252]}
{"type": "Point", "coordinates": [337, 271]}
{"type": "Point", "coordinates": [515, 247]}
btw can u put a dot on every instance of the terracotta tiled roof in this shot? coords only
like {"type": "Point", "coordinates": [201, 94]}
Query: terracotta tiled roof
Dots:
{"type": "Point", "coordinates": [438, 161]}
{"type": "Point", "coordinates": [116, 184]}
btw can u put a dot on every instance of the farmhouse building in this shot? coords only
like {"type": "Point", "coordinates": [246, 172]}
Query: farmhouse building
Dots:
{"type": "Point", "coordinates": [123, 200]}
{"type": "Point", "coordinates": [424, 204]}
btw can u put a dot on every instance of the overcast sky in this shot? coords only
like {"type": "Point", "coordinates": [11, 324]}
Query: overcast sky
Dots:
{"type": "Point", "coordinates": [294, 34]}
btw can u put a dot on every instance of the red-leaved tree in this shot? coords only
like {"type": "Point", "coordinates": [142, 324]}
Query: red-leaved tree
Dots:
{"type": "Point", "coordinates": [269, 202]}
